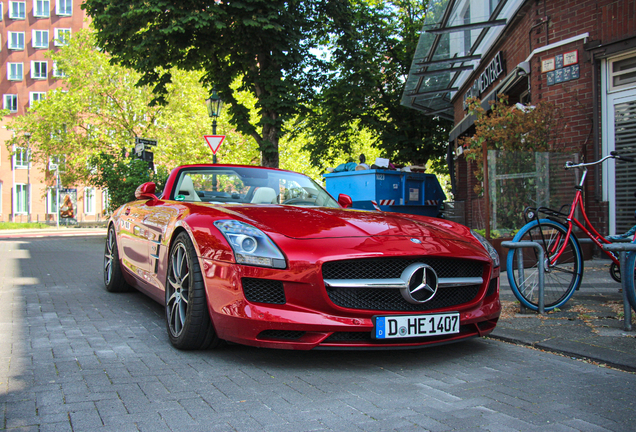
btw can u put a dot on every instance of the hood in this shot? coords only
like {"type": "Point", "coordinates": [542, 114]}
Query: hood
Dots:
{"type": "Point", "coordinates": [320, 222]}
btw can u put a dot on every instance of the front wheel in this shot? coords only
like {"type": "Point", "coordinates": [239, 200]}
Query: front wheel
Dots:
{"type": "Point", "coordinates": [561, 278]}
{"type": "Point", "coordinates": [113, 277]}
{"type": "Point", "coordinates": [187, 317]}
{"type": "Point", "coordinates": [630, 289]}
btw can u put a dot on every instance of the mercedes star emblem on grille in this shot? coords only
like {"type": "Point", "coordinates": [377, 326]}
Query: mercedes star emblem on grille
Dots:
{"type": "Point", "coordinates": [421, 283]}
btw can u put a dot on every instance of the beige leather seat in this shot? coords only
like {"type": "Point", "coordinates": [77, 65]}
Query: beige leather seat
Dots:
{"type": "Point", "coordinates": [264, 195]}
{"type": "Point", "coordinates": [187, 189]}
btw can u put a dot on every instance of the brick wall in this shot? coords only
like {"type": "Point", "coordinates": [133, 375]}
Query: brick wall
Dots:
{"type": "Point", "coordinates": [537, 24]}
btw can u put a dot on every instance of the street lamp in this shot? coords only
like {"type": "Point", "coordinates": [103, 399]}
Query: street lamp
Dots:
{"type": "Point", "coordinates": [27, 135]}
{"type": "Point", "coordinates": [214, 104]}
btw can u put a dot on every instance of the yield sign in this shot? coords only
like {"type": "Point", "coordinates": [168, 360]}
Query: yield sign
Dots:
{"type": "Point", "coordinates": [214, 142]}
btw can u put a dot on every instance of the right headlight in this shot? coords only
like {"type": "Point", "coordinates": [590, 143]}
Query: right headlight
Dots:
{"type": "Point", "coordinates": [250, 245]}
{"type": "Point", "coordinates": [486, 244]}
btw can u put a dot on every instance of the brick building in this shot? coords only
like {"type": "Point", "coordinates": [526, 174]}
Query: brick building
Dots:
{"type": "Point", "coordinates": [579, 55]}
{"type": "Point", "coordinates": [28, 30]}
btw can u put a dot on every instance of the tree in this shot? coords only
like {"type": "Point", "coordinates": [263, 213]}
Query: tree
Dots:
{"type": "Point", "coordinates": [368, 64]}
{"type": "Point", "coordinates": [265, 44]}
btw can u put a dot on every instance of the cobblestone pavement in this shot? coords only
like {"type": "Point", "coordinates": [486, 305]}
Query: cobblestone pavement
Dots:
{"type": "Point", "coordinates": [74, 357]}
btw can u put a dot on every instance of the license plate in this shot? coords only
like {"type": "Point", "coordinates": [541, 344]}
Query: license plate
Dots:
{"type": "Point", "coordinates": [405, 326]}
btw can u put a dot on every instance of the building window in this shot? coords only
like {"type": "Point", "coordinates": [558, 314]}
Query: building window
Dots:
{"type": "Point", "coordinates": [17, 10]}
{"type": "Point", "coordinates": [15, 40]}
{"type": "Point", "coordinates": [89, 201]}
{"type": "Point", "coordinates": [467, 36]}
{"type": "Point", "coordinates": [41, 8]}
{"type": "Point", "coordinates": [15, 71]}
{"type": "Point", "coordinates": [62, 36]}
{"type": "Point", "coordinates": [58, 72]}
{"type": "Point", "coordinates": [51, 201]}
{"type": "Point", "coordinates": [623, 73]}
{"type": "Point", "coordinates": [40, 39]}
{"type": "Point", "coordinates": [39, 69]}
{"type": "Point", "coordinates": [35, 97]}
{"type": "Point", "coordinates": [1, 18]}
{"type": "Point", "coordinates": [64, 7]}
{"type": "Point", "coordinates": [20, 158]}
{"type": "Point", "coordinates": [21, 199]}
{"type": "Point", "coordinates": [105, 202]}
{"type": "Point", "coordinates": [11, 102]}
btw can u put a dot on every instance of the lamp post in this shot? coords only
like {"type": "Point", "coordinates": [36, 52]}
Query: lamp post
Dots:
{"type": "Point", "coordinates": [27, 135]}
{"type": "Point", "coordinates": [214, 104]}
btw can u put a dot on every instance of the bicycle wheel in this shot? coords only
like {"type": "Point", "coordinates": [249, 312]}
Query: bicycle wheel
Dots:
{"type": "Point", "coordinates": [629, 279]}
{"type": "Point", "coordinates": [561, 279]}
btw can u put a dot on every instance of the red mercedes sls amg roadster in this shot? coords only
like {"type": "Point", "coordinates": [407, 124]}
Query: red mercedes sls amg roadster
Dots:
{"type": "Point", "coordinates": [266, 257]}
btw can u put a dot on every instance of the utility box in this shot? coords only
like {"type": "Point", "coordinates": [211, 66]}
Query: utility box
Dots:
{"type": "Point", "coordinates": [388, 190]}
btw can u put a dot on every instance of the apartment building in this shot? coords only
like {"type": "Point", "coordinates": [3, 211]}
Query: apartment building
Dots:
{"type": "Point", "coordinates": [28, 30]}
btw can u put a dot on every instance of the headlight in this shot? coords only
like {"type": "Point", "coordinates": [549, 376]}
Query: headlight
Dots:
{"type": "Point", "coordinates": [251, 246]}
{"type": "Point", "coordinates": [486, 244]}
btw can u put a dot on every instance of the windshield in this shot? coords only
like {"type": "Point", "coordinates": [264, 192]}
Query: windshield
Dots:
{"type": "Point", "coordinates": [225, 185]}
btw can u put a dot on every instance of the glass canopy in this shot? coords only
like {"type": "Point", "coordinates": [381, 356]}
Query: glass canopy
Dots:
{"type": "Point", "coordinates": [455, 35]}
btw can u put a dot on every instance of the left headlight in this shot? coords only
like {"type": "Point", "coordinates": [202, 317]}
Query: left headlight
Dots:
{"type": "Point", "coordinates": [486, 244]}
{"type": "Point", "coordinates": [251, 246]}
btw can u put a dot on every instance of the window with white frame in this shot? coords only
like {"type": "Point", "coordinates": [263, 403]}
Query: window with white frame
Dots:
{"type": "Point", "coordinates": [623, 72]}
{"type": "Point", "coordinates": [0, 196]}
{"type": "Point", "coordinates": [41, 8]}
{"type": "Point", "coordinates": [105, 202]}
{"type": "Point", "coordinates": [39, 69]}
{"type": "Point", "coordinates": [40, 39]}
{"type": "Point", "coordinates": [58, 72]}
{"type": "Point", "coordinates": [10, 102]}
{"type": "Point", "coordinates": [89, 200]}
{"type": "Point", "coordinates": [64, 7]}
{"type": "Point", "coordinates": [21, 199]}
{"type": "Point", "coordinates": [17, 10]}
{"type": "Point", "coordinates": [59, 161]}
{"type": "Point", "coordinates": [51, 200]}
{"type": "Point", "coordinates": [15, 40]}
{"type": "Point", "coordinates": [15, 71]}
{"type": "Point", "coordinates": [1, 17]}
{"type": "Point", "coordinates": [61, 36]}
{"type": "Point", "coordinates": [35, 97]}
{"type": "Point", "coordinates": [20, 158]}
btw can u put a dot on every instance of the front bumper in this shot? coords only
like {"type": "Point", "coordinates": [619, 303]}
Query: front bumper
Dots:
{"type": "Point", "coordinates": [306, 318]}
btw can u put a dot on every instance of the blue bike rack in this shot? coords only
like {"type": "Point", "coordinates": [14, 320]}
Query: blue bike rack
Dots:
{"type": "Point", "coordinates": [623, 248]}
{"type": "Point", "coordinates": [541, 269]}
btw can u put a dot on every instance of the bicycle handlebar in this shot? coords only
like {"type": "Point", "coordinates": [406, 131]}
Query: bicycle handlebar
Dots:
{"type": "Point", "coordinates": [612, 155]}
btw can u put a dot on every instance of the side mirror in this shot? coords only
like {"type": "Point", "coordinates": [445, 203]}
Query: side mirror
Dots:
{"type": "Point", "coordinates": [146, 191]}
{"type": "Point", "coordinates": [345, 201]}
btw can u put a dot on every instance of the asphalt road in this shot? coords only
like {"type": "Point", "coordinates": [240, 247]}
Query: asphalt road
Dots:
{"type": "Point", "coordinates": [75, 358]}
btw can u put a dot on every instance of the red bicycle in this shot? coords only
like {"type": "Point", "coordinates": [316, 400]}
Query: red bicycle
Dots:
{"type": "Point", "coordinates": [563, 260]}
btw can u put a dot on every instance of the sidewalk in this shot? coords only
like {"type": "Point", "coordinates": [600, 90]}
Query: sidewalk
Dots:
{"type": "Point", "coordinates": [589, 326]}
{"type": "Point", "coordinates": [53, 231]}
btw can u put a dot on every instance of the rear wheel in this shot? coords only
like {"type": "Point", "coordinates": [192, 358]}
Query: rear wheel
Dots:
{"type": "Point", "coordinates": [113, 277]}
{"type": "Point", "coordinates": [187, 317]}
{"type": "Point", "coordinates": [561, 278]}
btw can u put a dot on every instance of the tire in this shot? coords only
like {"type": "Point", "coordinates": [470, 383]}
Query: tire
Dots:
{"type": "Point", "coordinates": [113, 277]}
{"type": "Point", "coordinates": [187, 318]}
{"type": "Point", "coordinates": [630, 289]}
{"type": "Point", "coordinates": [560, 279]}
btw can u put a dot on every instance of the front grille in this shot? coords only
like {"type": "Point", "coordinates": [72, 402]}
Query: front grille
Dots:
{"type": "Point", "coordinates": [391, 299]}
{"type": "Point", "coordinates": [263, 291]}
{"type": "Point", "coordinates": [492, 287]}
{"type": "Point", "coordinates": [384, 268]}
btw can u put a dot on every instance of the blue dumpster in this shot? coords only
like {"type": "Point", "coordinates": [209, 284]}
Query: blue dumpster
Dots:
{"type": "Point", "coordinates": [393, 191]}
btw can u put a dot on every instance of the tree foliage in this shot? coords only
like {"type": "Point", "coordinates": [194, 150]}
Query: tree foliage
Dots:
{"type": "Point", "coordinates": [368, 64]}
{"type": "Point", "coordinates": [264, 44]}
{"type": "Point", "coordinates": [122, 176]}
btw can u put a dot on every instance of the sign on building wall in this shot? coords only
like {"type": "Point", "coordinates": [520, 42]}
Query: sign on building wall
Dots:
{"type": "Point", "coordinates": [492, 72]}
{"type": "Point", "coordinates": [561, 68]}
